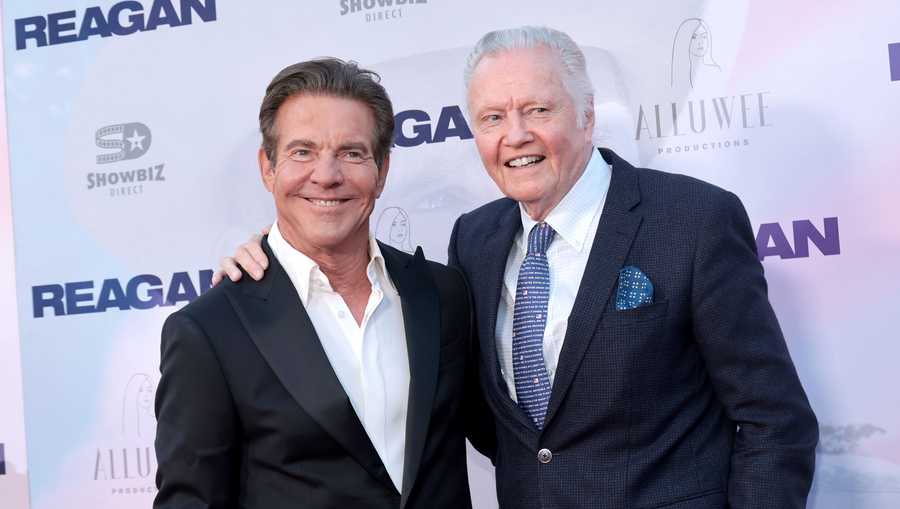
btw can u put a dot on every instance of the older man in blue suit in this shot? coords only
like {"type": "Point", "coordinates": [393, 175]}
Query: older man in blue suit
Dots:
{"type": "Point", "coordinates": [628, 350]}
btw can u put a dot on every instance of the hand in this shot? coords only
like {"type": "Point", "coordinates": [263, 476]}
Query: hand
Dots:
{"type": "Point", "coordinates": [249, 255]}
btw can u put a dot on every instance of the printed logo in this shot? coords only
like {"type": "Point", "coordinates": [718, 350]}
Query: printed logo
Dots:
{"type": "Point", "coordinates": [2, 459]}
{"type": "Point", "coordinates": [130, 141]}
{"type": "Point", "coordinates": [377, 10]}
{"type": "Point", "coordinates": [122, 18]}
{"type": "Point", "coordinates": [697, 123]}
{"type": "Point", "coordinates": [894, 58]}
{"type": "Point", "coordinates": [131, 465]}
{"type": "Point", "coordinates": [144, 291]}
{"type": "Point", "coordinates": [393, 228]}
{"type": "Point", "coordinates": [772, 241]}
{"type": "Point", "coordinates": [691, 52]}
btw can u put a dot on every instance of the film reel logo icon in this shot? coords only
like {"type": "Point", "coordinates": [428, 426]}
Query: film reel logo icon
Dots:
{"type": "Point", "coordinates": [132, 140]}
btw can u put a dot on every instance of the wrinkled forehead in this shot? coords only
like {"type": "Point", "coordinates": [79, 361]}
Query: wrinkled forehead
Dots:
{"type": "Point", "coordinates": [517, 74]}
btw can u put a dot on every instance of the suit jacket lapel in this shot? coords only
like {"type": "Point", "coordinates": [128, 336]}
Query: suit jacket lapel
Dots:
{"type": "Point", "coordinates": [274, 316]}
{"type": "Point", "coordinates": [490, 282]}
{"type": "Point", "coordinates": [615, 234]}
{"type": "Point", "coordinates": [422, 320]}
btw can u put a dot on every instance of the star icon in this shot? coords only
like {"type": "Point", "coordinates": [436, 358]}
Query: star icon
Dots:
{"type": "Point", "coordinates": [136, 141]}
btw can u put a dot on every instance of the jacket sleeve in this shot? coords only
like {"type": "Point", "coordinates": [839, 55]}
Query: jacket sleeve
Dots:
{"type": "Point", "coordinates": [749, 365]}
{"type": "Point", "coordinates": [196, 439]}
{"type": "Point", "coordinates": [479, 421]}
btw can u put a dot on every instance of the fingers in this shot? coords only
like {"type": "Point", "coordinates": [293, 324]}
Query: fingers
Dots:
{"type": "Point", "coordinates": [228, 267]}
{"type": "Point", "coordinates": [265, 231]}
{"type": "Point", "coordinates": [250, 256]}
{"type": "Point", "coordinates": [217, 277]}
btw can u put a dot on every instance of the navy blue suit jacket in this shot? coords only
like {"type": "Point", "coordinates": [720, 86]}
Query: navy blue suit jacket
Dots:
{"type": "Point", "coordinates": [689, 402]}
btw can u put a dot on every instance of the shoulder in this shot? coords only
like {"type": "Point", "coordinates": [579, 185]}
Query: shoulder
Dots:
{"type": "Point", "coordinates": [207, 310]}
{"type": "Point", "coordinates": [487, 215]}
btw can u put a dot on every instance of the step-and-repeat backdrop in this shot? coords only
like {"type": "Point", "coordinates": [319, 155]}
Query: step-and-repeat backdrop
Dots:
{"type": "Point", "coordinates": [132, 168]}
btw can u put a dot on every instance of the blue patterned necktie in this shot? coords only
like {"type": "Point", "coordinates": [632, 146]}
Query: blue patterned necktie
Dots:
{"type": "Point", "coordinates": [529, 321]}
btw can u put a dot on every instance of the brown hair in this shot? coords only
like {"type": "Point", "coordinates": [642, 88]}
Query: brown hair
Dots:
{"type": "Point", "coordinates": [333, 77]}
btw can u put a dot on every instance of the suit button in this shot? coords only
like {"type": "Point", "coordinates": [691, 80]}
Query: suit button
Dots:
{"type": "Point", "coordinates": [544, 456]}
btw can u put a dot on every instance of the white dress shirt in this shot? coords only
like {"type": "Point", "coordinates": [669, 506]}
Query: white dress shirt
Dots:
{"type": "Point", "coordinates": [370, 359]}
{"type": "Point", "coordinates": [575, 220]}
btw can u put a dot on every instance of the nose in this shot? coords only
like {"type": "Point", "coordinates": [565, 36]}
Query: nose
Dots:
{"type": "Point", "coordinates": [327, 172]}
{"type": "Point", "coordinates": [518, 133]}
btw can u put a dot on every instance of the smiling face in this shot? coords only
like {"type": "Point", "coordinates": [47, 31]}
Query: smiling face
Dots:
{"type": "Point", "coordinates": [324, 180]}
{"type": "Point", "coordinates": [526, 127]}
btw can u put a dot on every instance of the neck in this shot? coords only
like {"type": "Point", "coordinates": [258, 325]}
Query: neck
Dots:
{"type": "Point", "coordinates": [343, 264]}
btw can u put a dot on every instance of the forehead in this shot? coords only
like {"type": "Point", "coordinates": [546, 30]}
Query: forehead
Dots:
{"type": "Point", "coordinates": [517, 75]}
{"type": "Point", "coordinates": [324, 119]}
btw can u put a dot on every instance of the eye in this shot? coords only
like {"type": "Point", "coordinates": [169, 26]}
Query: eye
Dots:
{"type": "Point", "coordinates": [301, 154]}
{"type": "Point", "coordinates": [491, 118]}
{"type": "Point", "coordinates": [353, 156]}
{"type": "Point", "coordinates": [538, 109]}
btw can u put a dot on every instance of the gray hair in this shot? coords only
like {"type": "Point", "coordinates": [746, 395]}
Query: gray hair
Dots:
{"type": "Point", "coordinates": [576, 80]}
{"type": "Point", "coordinates": [330, 77]}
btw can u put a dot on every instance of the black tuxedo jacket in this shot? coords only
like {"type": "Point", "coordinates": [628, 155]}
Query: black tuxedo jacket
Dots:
{"type": "Point", "coordinates": [251, 414]}
{"type": "Point", "coordinates": [689, 402]}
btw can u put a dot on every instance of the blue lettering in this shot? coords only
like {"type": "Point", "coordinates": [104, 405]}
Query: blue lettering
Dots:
{"type": "Point", "coordinates": [111, 296]}
{"type": "Point", "coordinates": [421, 130]}
{"type": "Point", "coordinates": [779, 242]}
{"type": "Point", "coordinates": [55, 26]}
{"type": "Point", "coordinates": [154, 293]}
{"type": "Point", "coordinates": [451, 124]}
{"type": "Point", "coordinates": [31, 28]}
{"type": "Point", "coordinates": [94, 23]}
{"type": "Point", "coordinates": [181, 289]}
{"type": "Point", "coordinates": [805, 231]}
{"type": "Point", "coordinates": [158, 17]}
{"type": "Point", "coordinates": [135, 19]}
{"type": "Point", "coordinates": [206, 11]}
{"type": "Point", "coordinates": [205, 281]}
{"type": "Point", "coordinates": [123, 18]}
{"type": "Point", "coordinates": [75, 296]}
{"type": "Point", "coordinates": [47, 296]}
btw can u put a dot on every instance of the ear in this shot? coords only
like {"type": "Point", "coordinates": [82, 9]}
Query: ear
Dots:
{"type": "Point", "coordinates": [266, 169]}
{"type": "Point", "coordinates": [382, 176]}
{"type": "Point", "coordinates": [589, 116]}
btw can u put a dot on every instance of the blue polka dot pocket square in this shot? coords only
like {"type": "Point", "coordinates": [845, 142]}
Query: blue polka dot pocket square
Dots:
{"type": "Point", "coordinates": [635, 289]}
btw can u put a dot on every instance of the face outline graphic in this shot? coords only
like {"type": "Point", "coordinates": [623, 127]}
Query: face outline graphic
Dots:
{"type": "Point", "coordinates": [146, 394]}
{"type": "Point", "coordinates": [526, 127]}
{"type": "Point", "coordinates": [324, 178]}
{"type": "Point", "coordinates": [399, 230]}
{"type": "Point", "coordinates": [699, 42]}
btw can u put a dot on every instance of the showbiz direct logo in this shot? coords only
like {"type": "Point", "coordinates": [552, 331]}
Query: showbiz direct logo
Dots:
{"type": "Point", "coordinates": [130, 141]}
{"type": "Point", "coordinates": [377, 10]}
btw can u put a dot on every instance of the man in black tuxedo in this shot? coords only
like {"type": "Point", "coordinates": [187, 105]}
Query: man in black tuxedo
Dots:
{"type": "Point", "coordinates": [626, 344]}
{"type": "Point", "coordinates": [335, 380]}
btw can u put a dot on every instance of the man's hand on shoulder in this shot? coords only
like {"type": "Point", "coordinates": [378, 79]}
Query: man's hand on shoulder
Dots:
{"type": "Point", "coordinates": [248, 255]}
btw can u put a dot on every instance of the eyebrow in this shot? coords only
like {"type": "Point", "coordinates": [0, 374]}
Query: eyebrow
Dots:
{"type": "Point", "coordinates": [300, 143]}
{"type": "Point", "coordinates": [354, 145]}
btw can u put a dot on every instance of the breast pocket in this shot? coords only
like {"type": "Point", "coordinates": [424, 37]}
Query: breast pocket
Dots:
{"type": "Point", "coordinates": [638, 314]}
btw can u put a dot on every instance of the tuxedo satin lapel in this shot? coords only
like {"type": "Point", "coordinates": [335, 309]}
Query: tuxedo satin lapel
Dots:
{"type": "Point", "coordinates": [489, 283]}
{"type": "Point", "coordinates": [273, 314]}
{"type": "Point", "coordinates": [422, 323]}
{"type": "Point", "coordinates": [615, 234]}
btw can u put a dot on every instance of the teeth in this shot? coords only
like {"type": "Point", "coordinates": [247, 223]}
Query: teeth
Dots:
{"type": "Point", "coordinates": [325, 203]}
{"type": "Point", "coordinates": [524, 161]}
